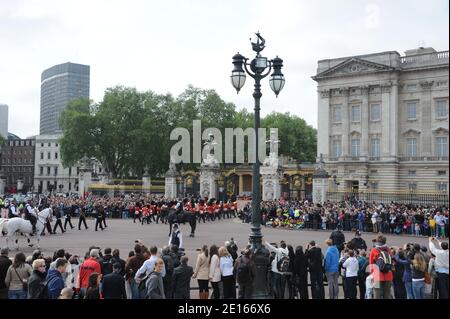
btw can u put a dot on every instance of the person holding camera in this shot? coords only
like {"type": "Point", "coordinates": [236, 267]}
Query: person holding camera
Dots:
{"type": "Point", "coordinates": [278, 278]}
{"type": "Point", "coordinates": [441, 265]}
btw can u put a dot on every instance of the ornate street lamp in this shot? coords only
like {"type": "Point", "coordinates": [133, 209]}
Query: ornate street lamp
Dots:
{"type": "Point", "coordinates": [258, 68]}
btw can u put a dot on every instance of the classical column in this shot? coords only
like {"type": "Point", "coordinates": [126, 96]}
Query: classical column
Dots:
{"type": "Point", "coordinates": [241, 184]}
{"type": "Point", "coordinates": [2, 184]}
{"type": "Point", "coordinates": [345, 115]}
{"type": "Point", "coordinates": [386, 120]}
{"type": "Point", "coordinates": [365, 121]}
{"type": "Point", "coordinates": [146, 183]}
{"type": "Point", "coordinates": [393, 120]}
{"type": "Point", "coordinates": [323, 122]}
{"type": "Point", "coordinates": [426, 138]}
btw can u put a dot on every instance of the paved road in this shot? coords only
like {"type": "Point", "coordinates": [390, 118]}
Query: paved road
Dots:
{"type": "Point", "coordinates": [121, 234]}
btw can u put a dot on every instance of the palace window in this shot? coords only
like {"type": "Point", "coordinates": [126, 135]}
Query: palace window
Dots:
{"type": "Point", "coordinates": [375, 147]}
{"type": "Point", "coordinates": [375, 112]}
{"type": "Point", "coordinates": [411, 111]}
{"type": "Point", "coordinates": [441, 109]}
{"type": "Point", "coordinates": [356, 113]}
{"type": "Point", "coordinates": [441, 146]}
{"type": "Point", "coordinates": [411, 147]}
{"type": "Point", "coordinates": [355, 146]}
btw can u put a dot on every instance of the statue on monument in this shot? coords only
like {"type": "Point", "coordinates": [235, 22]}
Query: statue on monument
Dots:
{"type": "Point", "coordinates": [272, 159]}
{"type": "Point", "coordinates": [172, 166]}
{"type": "Point", "coordinates": [210, 159]}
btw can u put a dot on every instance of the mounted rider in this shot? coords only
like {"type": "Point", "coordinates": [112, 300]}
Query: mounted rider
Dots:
{"type": "Point", "coordinates": [30, 214]}
{"type": "Point", "coordinates": [13, 211]}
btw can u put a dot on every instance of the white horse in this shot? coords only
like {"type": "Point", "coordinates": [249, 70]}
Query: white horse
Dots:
{"type": "Point", "coordinates": [17, 225]}
{"type": "Point", "coordinates": [3, 223]}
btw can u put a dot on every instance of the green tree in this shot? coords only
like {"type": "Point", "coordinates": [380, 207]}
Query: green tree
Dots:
{"type": "Point", "coordinates": [297, 139]}
{"type": "Point", "coordinates": [129, 131]}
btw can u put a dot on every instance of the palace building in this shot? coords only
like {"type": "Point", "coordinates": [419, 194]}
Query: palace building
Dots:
{"type": "Point", "coordinates": [383, 123]}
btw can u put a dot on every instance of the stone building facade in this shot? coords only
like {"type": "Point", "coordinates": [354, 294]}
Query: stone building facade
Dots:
{"type": "Point", "coordinates": [383, 121]}
{"type": "Point", "coordinates": [50, 174]}
{"type": "Point", "coordinates": [17, 165]}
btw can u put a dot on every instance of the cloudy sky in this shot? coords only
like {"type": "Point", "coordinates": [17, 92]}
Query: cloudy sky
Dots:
{"type": "Point", "coordinates": [164, 46]}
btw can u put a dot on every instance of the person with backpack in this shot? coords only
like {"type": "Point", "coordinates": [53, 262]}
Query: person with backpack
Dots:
{"type": "Point", "coordinates": [280, 265]}
{"type": "Point", "coordinates": [147, 268]}
{"type": "Point", "coordinates": [132, 266]}
{"type": "Point", "coordinates": [380, 262]}
{"type": "Point", "coordinates": [106, 262]}
{"type": "Point", "coordinates": [245, 271]}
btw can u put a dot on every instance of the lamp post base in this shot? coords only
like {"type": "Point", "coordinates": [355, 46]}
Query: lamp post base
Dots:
{"type": "Point", "coordinates": [261, 258]}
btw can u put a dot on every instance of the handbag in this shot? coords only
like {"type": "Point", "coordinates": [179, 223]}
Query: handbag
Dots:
{"type": "Point", "coordinates": [24, 282]}
{"type": "Point", "coordinates": [427, 278]}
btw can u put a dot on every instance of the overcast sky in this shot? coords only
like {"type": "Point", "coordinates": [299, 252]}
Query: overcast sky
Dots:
{"type": "Point", "coordinates": [164, 46]}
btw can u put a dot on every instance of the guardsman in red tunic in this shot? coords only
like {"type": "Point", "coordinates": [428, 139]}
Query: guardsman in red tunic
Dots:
{"type": "Point", "coordinates": [235, 208]}
{"type": "Point", "coordinates": [201, 211]}
{"type": "Point", "coordinates": [152, 210]}
{"type": "Point", "coordinates": [137, 213]}
{"type": "Point", "coordinates": [145, 214]}
{"type": "Point", "coordinates": [226, 210]}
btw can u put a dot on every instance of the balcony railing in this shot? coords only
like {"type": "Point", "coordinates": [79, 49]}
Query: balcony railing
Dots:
{"type": "Point", "coordinates": [422, 158]}
{"type": "Point", "coordinates": [426, 57]}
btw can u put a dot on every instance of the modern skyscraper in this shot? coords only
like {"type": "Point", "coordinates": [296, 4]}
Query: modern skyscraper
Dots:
{"type": "Point", "coordinates": [4, 120]}
{"type": "Point", "coordinates": [61, 84]}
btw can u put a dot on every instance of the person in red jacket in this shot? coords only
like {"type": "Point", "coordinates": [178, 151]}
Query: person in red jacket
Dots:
{"type": "Point", "coordinates": [88, 267]}
{"type": "Point", "coordinates": [382, 280]}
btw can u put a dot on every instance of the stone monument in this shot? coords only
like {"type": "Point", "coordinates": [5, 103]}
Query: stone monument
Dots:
{"type": "Point", "coordinates": [270, 171]}
{"type": "Point", "coordinates": [209, 171]}
{"type": "Point", "coordinates": [170, 190]}
{"type": "Point", "coordinates": [146, 182]}
{"type": "Point", "coordinates": [320, 182]}
{"type": "Point", "coordinates": [85, 176]}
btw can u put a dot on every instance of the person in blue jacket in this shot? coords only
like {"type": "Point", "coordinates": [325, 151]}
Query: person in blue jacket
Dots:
{"type": "Point", "coordinates": [331, 264]}
{"type": "Point", "coordinates": [55, 281]}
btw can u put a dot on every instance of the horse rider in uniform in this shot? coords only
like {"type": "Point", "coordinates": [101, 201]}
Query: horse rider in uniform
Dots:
{"type": "Point", "coordinates": [13, 211]}
{"type": "Point", "coordinates": [30, 215]}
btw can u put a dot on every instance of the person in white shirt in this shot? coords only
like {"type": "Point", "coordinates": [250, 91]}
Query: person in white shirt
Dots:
{"type": "Point", "coordinates": [176, 237]}
{"type": "Point", "coordinates": [147, 268]}
{"type": "Point", "coordinates": [374, 221]}
{"type": "Point", "coordinates": [226, 270]}
{"type": "Point", "coordinates": [351, 274]}
{"type": "Point", "coordinates": [278, 278]}
{"type": "Point", "coordinates": [441, 265]}
{"type": "Point", "coordinates": [14, 211]}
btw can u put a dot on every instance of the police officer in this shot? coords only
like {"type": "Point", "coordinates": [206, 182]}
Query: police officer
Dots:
{"type": "Point", "coordinates": [13, 211]}
{"type": "Point", "coordinates": [31, 215]}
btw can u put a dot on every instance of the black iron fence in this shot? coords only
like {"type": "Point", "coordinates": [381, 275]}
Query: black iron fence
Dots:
{"type": "Point", "coordinates": [417, 198]}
